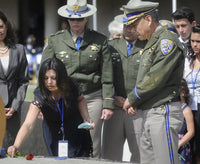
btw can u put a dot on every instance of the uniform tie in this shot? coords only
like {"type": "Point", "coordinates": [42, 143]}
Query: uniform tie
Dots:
{"type": "Point", "coordinates": [130, 45]}
{"type": "Point", "coordinates": [78, 42]}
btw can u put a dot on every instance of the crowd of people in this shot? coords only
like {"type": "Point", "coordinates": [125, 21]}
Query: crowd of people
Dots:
{"type": "Point", "coordinates": [142, 85]}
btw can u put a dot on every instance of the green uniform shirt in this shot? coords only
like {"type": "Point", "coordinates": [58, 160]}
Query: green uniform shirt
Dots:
{"type": "Point", "coordinates": [160, 71]}
{"type": "Point", "coordinates": [91, 66]}
{"type": "Point", "coordinates": [125, 68]}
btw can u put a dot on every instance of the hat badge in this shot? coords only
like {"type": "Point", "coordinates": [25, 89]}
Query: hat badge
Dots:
{"type": "Point", "coordinates": [75, 8]}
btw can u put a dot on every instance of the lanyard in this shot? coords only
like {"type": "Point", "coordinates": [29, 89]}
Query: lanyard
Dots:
{"type": "Point", "coordinates": [61, 114]}
{"type": "Point", "coordinates": [194, 82]}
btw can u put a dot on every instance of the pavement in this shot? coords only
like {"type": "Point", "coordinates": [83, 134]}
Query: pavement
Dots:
{"type": "Point", "coordinates": [52, 160]}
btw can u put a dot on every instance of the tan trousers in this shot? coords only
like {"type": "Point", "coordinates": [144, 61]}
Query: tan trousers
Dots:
{"type": "Point", "coordinates": [95, 105]}
{"type": "Point", "coordinates": [117, 129]}
{"type": "Point", "coordinates": [159, 141]}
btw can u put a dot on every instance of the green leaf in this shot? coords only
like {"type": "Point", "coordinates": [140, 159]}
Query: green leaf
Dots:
{"type": "Point", "coordinates": [19, 155]}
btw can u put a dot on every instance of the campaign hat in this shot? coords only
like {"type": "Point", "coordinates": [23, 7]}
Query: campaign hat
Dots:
{"type": "Point", "coordinates": [76, 9]}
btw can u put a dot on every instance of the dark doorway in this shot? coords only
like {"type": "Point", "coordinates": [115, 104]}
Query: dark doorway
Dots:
{"type": "Point", "coordinates": [31, 20]}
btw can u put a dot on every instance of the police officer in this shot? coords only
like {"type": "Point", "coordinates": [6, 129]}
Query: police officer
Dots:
{"type": "Point", "coordinates": [33, 54]}
{"type": "Point", "coordinates": [157, 86]}
{"type": "Point", "coordinates": [126, 58]}
{"type": "Point", "coordinates": [88, 61]}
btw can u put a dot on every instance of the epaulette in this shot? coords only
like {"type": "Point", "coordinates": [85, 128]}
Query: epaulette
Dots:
{"type": "Point", "coordinates": [174, 33]}
{"type": "Point", "coordinates": [52, 34]}
{"type": "Point", "coordinates": [119, 37]}
{"type": "Point", "coordinates": [116, 38]}
{"type": "Point", "coordinates": [59, 32]}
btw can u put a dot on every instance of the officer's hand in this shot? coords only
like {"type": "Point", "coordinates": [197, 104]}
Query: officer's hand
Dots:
{"type": "Point", "coordinates": [119, 101]}
{"type": "Point", "coordinates": [132, 111]}
{"type": "Point", "coordinates": [106, 114]}
{"type": "Point", "coordinates": [126, 105]}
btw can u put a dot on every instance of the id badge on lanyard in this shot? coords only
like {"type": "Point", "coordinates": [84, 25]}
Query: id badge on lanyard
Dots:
{"type": "Point", "coordinates": [62, 144]}
{"type": "Point", "coordinates": [63, 148]}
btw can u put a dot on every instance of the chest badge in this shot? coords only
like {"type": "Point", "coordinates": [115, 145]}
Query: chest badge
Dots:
{"type": "Point", "coordinates": [62, 52]}
{"type": "Point", "coordinates": [141, 51]}
{"type": "Point", "coordinates": [94, 47]}
{"type": "Point", "coordinates": [151, 49]}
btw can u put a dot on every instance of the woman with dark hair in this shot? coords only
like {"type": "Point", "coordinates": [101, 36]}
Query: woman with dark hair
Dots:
{"type": "Point", "coordinates": [87, 60]}
{"type": "Point", "coordinates": [13, 77]}
{"type": "Point", "coordinates": [63, 107]}
{"type": "Point", "coordinates": [192, 76]}
{"type": "Point", "coordinates": [187, 131]}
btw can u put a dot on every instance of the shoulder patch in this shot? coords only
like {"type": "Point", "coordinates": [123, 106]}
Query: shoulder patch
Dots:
{"type": "Point", "coordinates": [46, 43]}
{"type": "Point", "coordinates": [166, 46]}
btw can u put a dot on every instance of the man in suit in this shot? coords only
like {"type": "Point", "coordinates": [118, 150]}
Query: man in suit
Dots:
{"type": "Point", "coordinates": [184, 20]}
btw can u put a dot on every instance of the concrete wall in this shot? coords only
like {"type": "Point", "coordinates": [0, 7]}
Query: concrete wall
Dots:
{"type": "Point", "coordinates": [106, 11]}
{"type": "Point", "coordinates": [47, 160]}
{"type": "Point", "coordinates": [51, 17]}
{"type": "Point", "coordinates": [34, 144]}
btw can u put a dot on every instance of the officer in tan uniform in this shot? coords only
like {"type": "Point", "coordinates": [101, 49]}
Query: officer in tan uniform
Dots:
{"type": "Point", "coordinates": [88, 61]}
{"type": "Point", "coordinates": [157, 86]}
{"type": "Point", "coordinates": [126, 59]}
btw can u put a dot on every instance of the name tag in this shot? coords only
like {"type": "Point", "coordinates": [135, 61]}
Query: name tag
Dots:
{"type": "Point", "coordinates": [63, 148]}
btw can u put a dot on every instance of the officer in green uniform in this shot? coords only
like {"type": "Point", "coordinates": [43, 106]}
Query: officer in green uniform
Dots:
{"type": "Point", "coordinates": [126, 58]}
{"type": "Point", "coordinates": [157, 86]}
{"type": "Point", "coordinates": [88, 61]}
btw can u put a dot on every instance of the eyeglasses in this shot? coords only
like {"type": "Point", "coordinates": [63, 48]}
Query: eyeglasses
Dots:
{"type": "Point", "coordinates": [76, 19]}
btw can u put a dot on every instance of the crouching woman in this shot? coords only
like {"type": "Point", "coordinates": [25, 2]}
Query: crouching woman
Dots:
{"type": "Point", "coordinates": [63, 107]}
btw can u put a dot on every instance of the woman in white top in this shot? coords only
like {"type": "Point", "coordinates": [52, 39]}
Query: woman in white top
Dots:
{"type": "Point", "coordinates": [192, 76]}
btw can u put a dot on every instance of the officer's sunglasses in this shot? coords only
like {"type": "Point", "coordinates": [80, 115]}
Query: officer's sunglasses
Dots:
{"type": "Point", "coordinates": [76, 19]}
